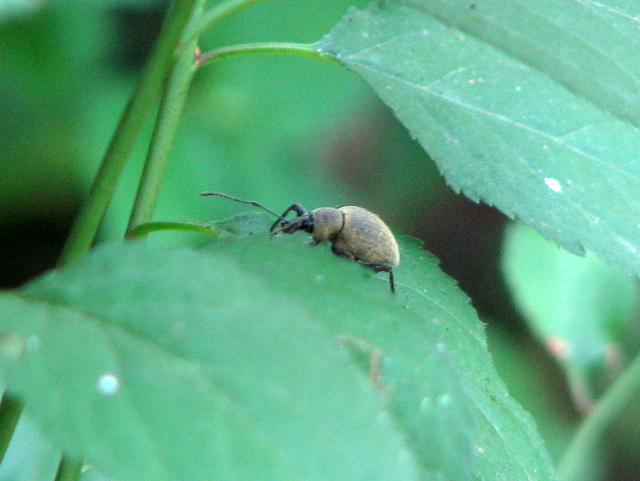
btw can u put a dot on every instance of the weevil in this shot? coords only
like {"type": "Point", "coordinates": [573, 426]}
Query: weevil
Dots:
{"type": "Point", "coordinates": [354, 232]}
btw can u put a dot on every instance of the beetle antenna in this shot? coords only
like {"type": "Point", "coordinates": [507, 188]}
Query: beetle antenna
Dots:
{"type": "Point", "coordinates": [250, 202]}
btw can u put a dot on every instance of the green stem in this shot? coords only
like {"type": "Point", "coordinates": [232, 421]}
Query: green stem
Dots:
{"type": "Point", "coordinates": [10, 411]}
{"type": "Point", "coordinates": [171, 106]}
{"type": "Point", "coordinates": [300, 49]}
{"type": "Point", "coordinates": [69, 469]}
{"type": "Point", "coordinates": [142, 230]}
{"type": "Point", "coordinates": [214, 15]}
{"type": "Point", "coordinates": [142, 100]}
{"type": "Point", "coordinates": [592, 430]}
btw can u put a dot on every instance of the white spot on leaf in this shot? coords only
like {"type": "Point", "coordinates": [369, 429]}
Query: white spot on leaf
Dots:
{"type": "Point", "coordinates": [553, 184]}
{"type": "Point", "coordinates": [12, 346]}
{"type": "Point", "coordinates": [425, 403]}
{"type": "Point", "coordinates": [108, 384]}
{"type": "Point", "coordinates": [33, 343]}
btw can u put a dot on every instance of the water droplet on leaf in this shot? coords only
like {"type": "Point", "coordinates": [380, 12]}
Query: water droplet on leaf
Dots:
{"type": "Point", "coordinates": [108, 384]}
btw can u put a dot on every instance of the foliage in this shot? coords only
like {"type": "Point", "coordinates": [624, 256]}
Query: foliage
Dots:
{"type": "Point", "coordinates": [501, 131]}
{"type": "Point", "coordinates": [580, 308]}
{"type": "Point", "coordinates": [222, 336]}
{"type": "Point", "coordinates": [254, 357]}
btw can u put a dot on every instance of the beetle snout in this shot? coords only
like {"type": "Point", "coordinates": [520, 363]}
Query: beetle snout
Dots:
{"type": "Point", "coordinates": [288, 227]}
{"type": "Point", "coordinates": [275, 229]}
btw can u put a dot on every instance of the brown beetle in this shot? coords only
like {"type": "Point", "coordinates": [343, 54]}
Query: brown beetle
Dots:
{"type": "Point", "coordinates": [354, 232]}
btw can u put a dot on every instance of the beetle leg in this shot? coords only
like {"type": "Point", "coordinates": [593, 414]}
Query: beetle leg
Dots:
{"type": "Point", "coordinates": [297, 208]}
{"type": "Point", "coordinates": [339, 252]}
{"type": "Point", "coordinates": [384, 268]}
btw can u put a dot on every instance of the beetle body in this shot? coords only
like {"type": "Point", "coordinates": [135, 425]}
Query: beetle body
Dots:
{"type": "Point", "coordinates": [354, 232]}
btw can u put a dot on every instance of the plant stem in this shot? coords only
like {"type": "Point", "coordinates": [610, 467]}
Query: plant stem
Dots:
{"type": "Point", "coordinates": [143, 98]}
{"type": "Point", "coordinates": [214, 15]}
{"type": "Point", "coordinates": [300, 49]}
{"type": "Point", "coordinates": [164, 133]}
{"type": "Point", "coordinates": [142, 230]}
{"type": "Point", "coordinates": [590, 433]}
{"type": "Point", "coordinates": [69, 469]}
{"type": "Point", "coordinates": [10, 411]}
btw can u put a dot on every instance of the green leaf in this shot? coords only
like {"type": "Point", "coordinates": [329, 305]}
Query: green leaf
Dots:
{"type": "Point", "coordinates": [578, 306]}
{"type": "Point", "coordinates": [501, 131]}
{"type": "Point", "coordinates": [160, 364]}
{"type": "Point", "coordinates": [260, 358]}
{"type": "Point", "coordinates": [502, 430]}
{"type": "Point", "coordinates": [589, 47]}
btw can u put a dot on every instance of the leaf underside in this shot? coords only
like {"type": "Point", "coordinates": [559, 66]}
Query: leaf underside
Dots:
{"type": "Point", "coordinates": [501, 128]}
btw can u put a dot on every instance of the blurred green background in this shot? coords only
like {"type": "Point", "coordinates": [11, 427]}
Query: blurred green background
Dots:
{"type": "Point", "coordinates": [269, 128]}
